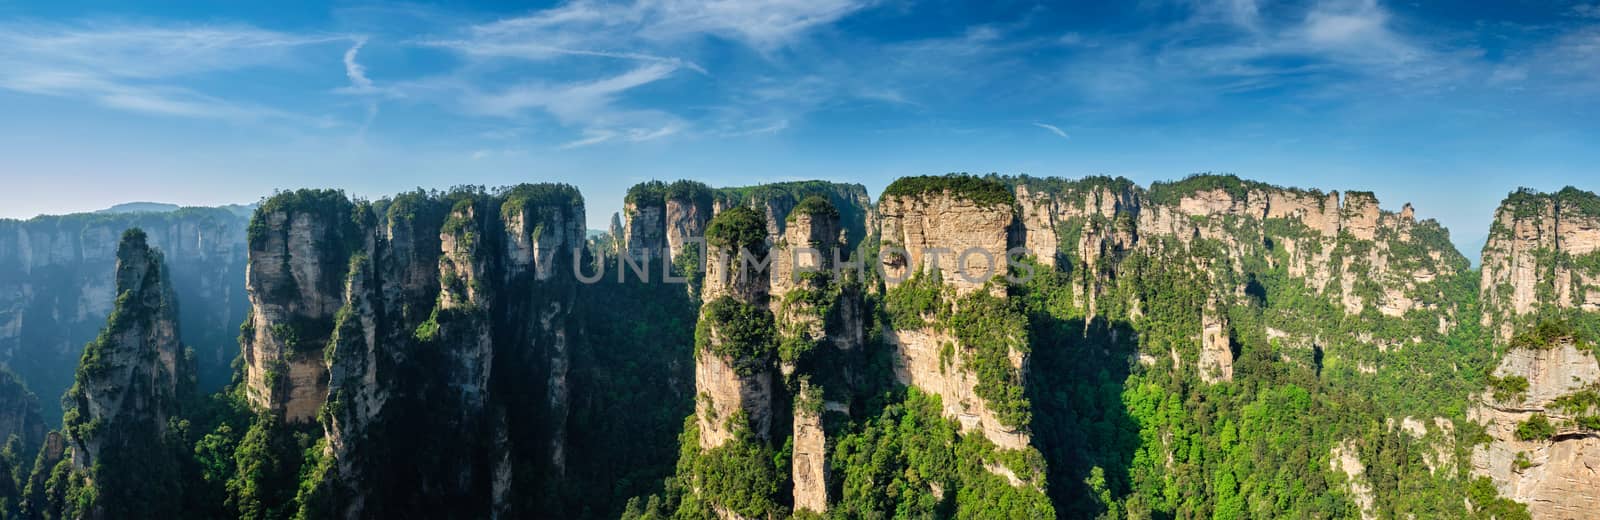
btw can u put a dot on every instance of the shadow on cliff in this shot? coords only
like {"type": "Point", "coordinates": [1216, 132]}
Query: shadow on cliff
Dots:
{"type": "Point", "coordinates": [1075, 383]}
{"type": "Point", "coordinates": [632, 387]}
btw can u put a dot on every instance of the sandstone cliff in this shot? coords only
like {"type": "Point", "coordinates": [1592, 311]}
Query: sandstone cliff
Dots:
{"type": "Point", "coordinates": [447, 313]}
{"type": "Point", "coordinates": [1541, 290]}
{"type": "Point", "coordinates": [1549, 471]}
{"type": "Point", "coordinates": [129, 383]}
{"type": "Point", "coordinates": [954, 234]}
{"type": "Point", "coordinates": [663, 217]}
{"type": "Point", "coordinates": [1218, 230]}
{"type": "Point", "coordinates": [735, 343]}
{"type": "Point", "coordinates": [1541, 256]}
{"type": "Point", "coordinates": [57, 288]}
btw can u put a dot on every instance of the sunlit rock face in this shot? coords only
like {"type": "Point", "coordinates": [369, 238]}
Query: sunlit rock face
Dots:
{"type": "Point", "coordinates": [936, 230]}
{"type": "Point", "coordinates": [1552, 475]}
{"type": "Point", "coordinates": [1533, 259]}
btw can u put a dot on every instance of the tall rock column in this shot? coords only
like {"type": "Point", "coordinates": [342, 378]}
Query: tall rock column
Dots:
{"type": "Point", "coordinates": [1541, 297]}
{"type": "Point", "coordinates": [804, 295]}
{"type": "Point", "coordinates": [734, 341]}
{"type": "Point", "coordinates": [128, 385]}
{"type": "Point", "coordinates": [949, 321]}
{"type": "Point", "coordinates": [300, 244]}
{"type": "Point", "coordinates": [543, 225]}
{"type": "Point", "coordinates": [1533, 260]}
{"type": "Point", "coordinates": [644, 228]}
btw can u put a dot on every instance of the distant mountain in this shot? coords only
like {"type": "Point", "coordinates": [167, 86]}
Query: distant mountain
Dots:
{"type": "Point", "coordinates": [140, 207]}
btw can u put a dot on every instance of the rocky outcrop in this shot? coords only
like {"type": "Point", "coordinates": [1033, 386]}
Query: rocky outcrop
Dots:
{"type": "Point", "coordinates": [1539, 256]}
{"type": "Point", "coordinates": [300, 246]}
{"type": "Point", "coordinates": [735, 350]}
{"type": "Point", "coordinates": [961, 239]}
{"type": "Point", "coordinates": [667, 218]}
{"type": "Point", "coordinates": [1343, 459]}
{"type": "Point", "coordinates": [57, 289]}
{"type": "Point", "coordinates": [921, 361]}
{"type": "Point", "coordinates": [945, 232]}
{"type": "Point", "coordinates": [129, 385]}
{"type": "Point", "coordinates": [450, 306]}
{"type": "Point", "coordinates": [812, 305]}
{"type": "Point", "coordinates": [1097, 221]}
{"type": "Point", "coordinates": [1216, 350]}
{"type": "Point", "coordinates": [1552, 473]}
{"type": "Point", "coordinates": [686, 217]}
{"type": "Point", "coordinates": [810, 457]}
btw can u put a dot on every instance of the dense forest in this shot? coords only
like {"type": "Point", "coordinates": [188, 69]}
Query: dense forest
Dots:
{"type": "Point", "coordinates": [1210, 347]}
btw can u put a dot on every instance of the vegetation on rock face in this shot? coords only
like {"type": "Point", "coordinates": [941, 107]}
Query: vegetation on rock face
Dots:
{"type": "Point", "coordinates": [1528, 202]}
{"type": "Point", "coordinates": [1172, 192]}
{"type": "Point", "coordinates": [740, 332]}
{"type": "Point", "coordinates": [739, 228]}
{"type": "Point", "coordinates": [1536, 428]}
{"type": "Point", "coordinates": [911, 461]}
{"type": "Point", "coordinates": [815, 206]}
{"type": "Point", "coordinates": [985, 191]}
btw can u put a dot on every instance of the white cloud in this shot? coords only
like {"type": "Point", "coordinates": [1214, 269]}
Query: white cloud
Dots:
{"type": "Point", "coordinates": [353, 69]}
{"type": "Point", "coordinates": [590, 137]}
{"type": "Point", "coordinates": [658, 37]}
{"type": "Point", "coordinates": [1053, 129]}
{"type": "Point", "coordinates": [145, 68]}
{"type": "Point", "coordinates": [599, 25]}
{"type": "Point", "coordinates": [569, 102]}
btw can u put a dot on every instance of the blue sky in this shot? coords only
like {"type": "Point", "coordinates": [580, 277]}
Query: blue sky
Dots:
{"type": "Point", "coordinates": [1448, 105]}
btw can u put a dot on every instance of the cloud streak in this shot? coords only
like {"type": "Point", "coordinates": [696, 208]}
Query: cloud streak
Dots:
{"type": "Point", "coordinates": [353, 70]}
{"type": "Point", "coordinates": [1052, 129]}
{"type": "Point", "coordinates": [146, 68]}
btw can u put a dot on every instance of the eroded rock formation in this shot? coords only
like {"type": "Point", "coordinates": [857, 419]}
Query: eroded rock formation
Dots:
{"type": "Point", "coordinates": [1539, 257]}
{"type": "Point", "coordinates": [1552, 472]}
{"type": "Point", "coordinates": [57, 288]}
{"type": "Point", "coordinates": [129, 384]}
{"type": "Point", "coordinates": [454, 307]}
{"type": "Point", "coordinates": [962, 241]}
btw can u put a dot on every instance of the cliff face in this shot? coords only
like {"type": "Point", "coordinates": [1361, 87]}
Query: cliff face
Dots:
{"type": "Point", "coordinates": [1541, 257]}
{"type": "Point", "coordinates": [1541, 288]}
{"type": "Point", "coordinates": [956, 242]}
{"type": "Point", "coordinates": [663, 217]}
{"type": "Point", "coordinates": [778, 335]}
{"type": "Point", "coordinates": [735, 347]}
{"type": "Point", "coordinates": [1223, 231]}
{"type": "Point", "coordinates": [128, 385]}
{"type": "Point", "coordinates": [1548, 471]}
{"type": "Point", "coordinates": [19, 413]}
{"type": "Point", "coordinates": [961, 239]}
{"type": "Point", "coordinates": [409, 323]}
{"type": "Point", "coordinates": [57, 288]}
{"type": "Point", "coordinates": [300, 246]}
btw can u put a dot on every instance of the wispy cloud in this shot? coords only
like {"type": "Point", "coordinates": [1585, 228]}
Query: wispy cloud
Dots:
{"type": "Point", "coordinates": [599, 25]}
{"type": "Point", "coordinates": [1053, 129]}
{"type": "Point", "coordinates": [353, 69]}
{"type": "Point", "coordinates": [646, 41]}
{"type": "Point", "coordinates": [145, 68]}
